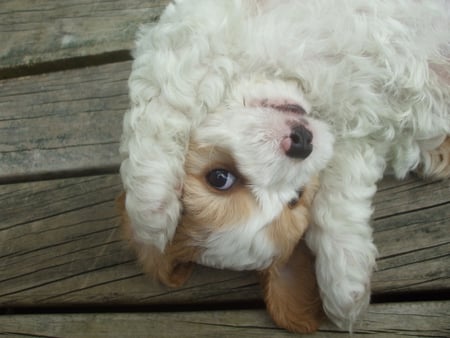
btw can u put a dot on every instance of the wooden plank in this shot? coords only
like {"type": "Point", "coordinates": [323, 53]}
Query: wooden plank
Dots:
{"type": "Point", "coordinates": [427, 319]}
{"type": "Point", "coordinates": [62, 122]}
{"type": "Point", "coordinates": [411, 224]}
{"type": "Point", "coordinates": [44, 31]}
{"type": "Point", "coordinates": [397, 197]}
{"type": "Point", "coordinates": [61, 245]}
{"type": "Point", "coordinates": [413, 241]}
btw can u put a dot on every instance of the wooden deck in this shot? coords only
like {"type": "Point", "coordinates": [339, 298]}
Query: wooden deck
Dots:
{"type": "Point", "coordinates": [64, 270]}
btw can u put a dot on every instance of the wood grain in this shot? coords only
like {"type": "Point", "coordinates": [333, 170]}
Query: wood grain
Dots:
{"type": "Point", "coordinates": [424, 319]}
{"type": "Point", "coordinates": [61, 245]}
{"type": "Point", "coordinates": [44, 31]}
{"type": "Point", "coordinates": [62, 122]}
{"type": "Point", "coordinates": [412, 219]}
{"type": "Point", "coordinates": [397, 197]}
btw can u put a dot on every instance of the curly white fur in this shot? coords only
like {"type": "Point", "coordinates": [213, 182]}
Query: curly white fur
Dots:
{"type": "Point", "coordinates": [377, 72]}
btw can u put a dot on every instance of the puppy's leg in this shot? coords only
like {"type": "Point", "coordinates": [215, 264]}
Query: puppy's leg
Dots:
{"type": "Point", "coordinates": [435, 162]}
{"type": "Point", "coordinates": [291, 292]}
{"type": "Point", "coordinates": [341, 239]}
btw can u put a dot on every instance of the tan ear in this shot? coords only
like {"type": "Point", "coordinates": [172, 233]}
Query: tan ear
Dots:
{"type": "Point", "coordinates": [163, 266]}
{"type": "Point", "coordinates": [291, 292]}
{"type": "Point", "coordinates": [169, 267]}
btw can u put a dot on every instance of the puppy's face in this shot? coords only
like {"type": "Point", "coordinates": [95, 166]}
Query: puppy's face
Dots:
{"type": "Point", "coordinates": [251, 173]}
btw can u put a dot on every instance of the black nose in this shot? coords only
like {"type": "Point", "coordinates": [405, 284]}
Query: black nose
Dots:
{"type": "Point", "coordinates": [301, 145]}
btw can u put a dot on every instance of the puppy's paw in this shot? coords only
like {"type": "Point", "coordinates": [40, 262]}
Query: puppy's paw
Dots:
{"type": "Point", "coordinates": [346, 300]}
{"type": "Point", "coordinates": [436, 162]}
{"type": "Point", "coordinates": [344, 274]}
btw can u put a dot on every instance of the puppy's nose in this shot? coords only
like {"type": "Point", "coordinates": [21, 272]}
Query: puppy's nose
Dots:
{"type": "Point", "coordinates": [300, 143]}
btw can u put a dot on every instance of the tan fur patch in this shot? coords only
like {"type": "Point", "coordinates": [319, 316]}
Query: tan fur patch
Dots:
{"type": "Point", "coordinates": [290, 287]}
{"type": "Point", "coordinates": [206, 207]}
{"type": "Point", "coordinates": [291, 292]}
{"type": "Point", "coordinates": [287, 229]}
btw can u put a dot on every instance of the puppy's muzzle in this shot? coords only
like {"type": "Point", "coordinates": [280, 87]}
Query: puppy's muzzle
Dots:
{"type": "Point", "coordinates": [299, 143]}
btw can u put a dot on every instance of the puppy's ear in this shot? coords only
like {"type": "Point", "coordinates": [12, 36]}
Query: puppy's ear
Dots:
{"type": "Point", "coordinates": [169, 266]}
{"type": "Point", "coordinates": [163, 266]}
{"type": "Point", "coordinates": [291, 292]}
{"type": "Point", "coordinates": [164, 107]}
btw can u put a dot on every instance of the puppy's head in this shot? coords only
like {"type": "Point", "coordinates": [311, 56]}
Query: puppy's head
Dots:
{"type": "Point", "coordinates": [251, 170]}
{"type": "Point", "coordinates": [251, 173]}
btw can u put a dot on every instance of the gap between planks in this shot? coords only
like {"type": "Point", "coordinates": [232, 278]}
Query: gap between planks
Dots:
{"type": "Point", "coordinates": [65, 64]}
{"type": "Point", "coordinates": [69, 33]}
{"type": "Point", "coordinates": [424, 319]}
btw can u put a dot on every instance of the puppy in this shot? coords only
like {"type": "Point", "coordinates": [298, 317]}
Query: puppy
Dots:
{"type": "Point", "coordinates": [250, 179]}
{"type": "Point", "coordinates": [265, 96]}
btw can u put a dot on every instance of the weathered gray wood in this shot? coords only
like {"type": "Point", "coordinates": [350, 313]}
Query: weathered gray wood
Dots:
{"type": "Point", "coordinates": [44, 31]}
{"type": "Point", "coordinates": [61, 245]}
{"type": "Point", "coordinates": [427, 319]}
{"type": "Point", "coordinates": [64, 121]}
{"type": "Point", "coordinates": [398, 197]}
{"type": "Point", "coordinates": [410, 242]}
{"type": "Point", "coordinates": [412, 219]}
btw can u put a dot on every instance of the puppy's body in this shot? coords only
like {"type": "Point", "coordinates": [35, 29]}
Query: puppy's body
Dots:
{"type": "Point", "coordinates": [372, 80]}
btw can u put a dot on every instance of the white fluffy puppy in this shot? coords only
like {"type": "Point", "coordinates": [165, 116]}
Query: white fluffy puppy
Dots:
{"type": "Point", "coordinates": [372, 75]}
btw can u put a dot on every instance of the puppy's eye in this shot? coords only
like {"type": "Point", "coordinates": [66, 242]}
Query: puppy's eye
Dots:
{"type": "Point", "coordinates": [221, 179]}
